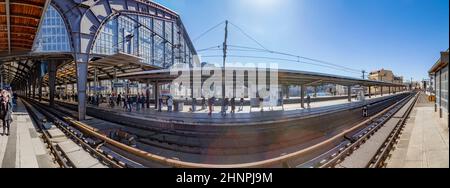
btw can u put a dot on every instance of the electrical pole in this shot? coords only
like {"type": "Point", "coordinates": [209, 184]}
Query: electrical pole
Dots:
{"type": "Point", "coordinates": [223, 66]}
{"type": "Point", "coordinates": [363, 74]}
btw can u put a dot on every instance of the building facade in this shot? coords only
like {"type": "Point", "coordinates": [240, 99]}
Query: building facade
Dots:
{"type": "Point", "coordinates": [439, 75]}
{"type": "Point", "coordinates": [384, 76]}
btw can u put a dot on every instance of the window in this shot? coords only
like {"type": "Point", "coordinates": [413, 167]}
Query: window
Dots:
{"type": "Point", "coordinates": [106, 43]}
{"type": "Point", "coordinates": [157, 42]}
{"type": "Point", "coordinates": [52, 36]}
{"type": "Point", "coordinates": [145, 40]}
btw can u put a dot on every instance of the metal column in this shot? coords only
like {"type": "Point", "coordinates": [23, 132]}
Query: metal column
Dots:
{"type": "Point", "coordinates": [27, 91]}
{"type": "Point", "coordinates": [435, 92]}
{"type": "Point", "coordinates": [96, 85]}
{"type": "Point", "coordinates": [349, 93]}
{"type": "Point", "coordinates": [40, 82]}
{"type": "Point", "coordinates": [155, 89]}
{"type": "Point", "coordinates": [33, 84]}
{"type": "Point", "coordinates": [302, 95]}
{"type": "Point", "coordinates": [82, 70]}
{"type": "Point", "coordinates": [315, 91]}
{"type": "Point", "coordinates": [287, 91]}
{"type": "Point", "coordinates": [52, 81]}
{"type": "Point", "coordinates": [370, 92]}
{"type": "Point", "coordinates": [147, 95]}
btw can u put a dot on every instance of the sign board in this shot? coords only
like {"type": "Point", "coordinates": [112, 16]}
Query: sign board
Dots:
{"type": "Point", "coordinates": [135, 85]}
{"type": "Point", "coordinates": [98, 88]}
{"type": "Point", "coordinates": [118, 85]}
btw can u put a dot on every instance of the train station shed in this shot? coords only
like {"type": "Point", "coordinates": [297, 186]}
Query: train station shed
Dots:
{"type": "Point", "coordinates": [439, 75]}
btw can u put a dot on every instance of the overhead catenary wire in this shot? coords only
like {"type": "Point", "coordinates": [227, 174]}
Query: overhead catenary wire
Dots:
{"type": "Point", "coordinates": [207, 31]}
{"type": "Point", "coordinates": [248, 36]}
{"type": "Point", "coordinates": [299, 57]}
{"type": "Point", "coordinates": [287, 54]}
{"type": "Point", "coordinates": [282, 59]}
{"type": "Point", "coordinates": [210, 48]}
{"type": "Point", "coordinates": [263, 49]}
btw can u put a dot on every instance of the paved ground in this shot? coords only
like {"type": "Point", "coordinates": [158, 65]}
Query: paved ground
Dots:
{"type": "Point", "coordinates": [424, 140]}
{"type": "Point", "coordinates": [23, 148]}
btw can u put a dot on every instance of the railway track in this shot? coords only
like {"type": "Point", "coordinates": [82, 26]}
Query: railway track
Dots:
{"type": "Point", "coordinates": [375, 152]}
{"type": "Point", "coordinates": [242, 139]}
{"type": "Point", "coordinates": [71, 147]}
{"type": "Point", "coordinates": [291, 159]}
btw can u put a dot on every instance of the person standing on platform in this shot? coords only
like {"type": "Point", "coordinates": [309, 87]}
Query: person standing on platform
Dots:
{"type": "Point", "coordinates": [194, 104]}
{"type": "Point", "coordinates": [241, 108]}
{"type": "Point", "coordinates": [169, 104]}
{"type": "Point", "coordinates": [119, 99]}
{"type": "Point", "coordinates": [111, 101]}
{"type": "Point", "coordinates": [210, 104]}
{"type": "Point", "coordinates": [129, 103]}
{"type": "Point", "coordinates": [160, 104]}
{"type": "Point", "coordinates": [143, 101]}
{"type": "Point", "coordinates": [203, 103]}
{"type": "Point", "coordinates": [225, 107]}
{"type": "Point", "coordinates": [233, 105]}
{"type": "Point", "coordinates": [308, 101]}
{"type": "Point", "coordinates": [99, 99]}
{"type": "Point", "coordinates": [138, 101]}
{"type": "Point", "coordinates": [124, 102]}
{"type": "Point", "coordinates": [14, 99]}
{"type": "Point", "coordinates": [6, 109]}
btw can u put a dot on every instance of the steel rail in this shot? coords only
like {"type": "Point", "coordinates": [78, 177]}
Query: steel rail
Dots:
{"type": "Point", "coordinates": [45, 136]}
{"type": "Point", "coordinates": [281, 160]}
{"type": "Point", "coordinates": [346, 152]}
{"type": "Point", "coordinates": [79, 141]}
{"type": "Point", "coordinates": [383, 153]}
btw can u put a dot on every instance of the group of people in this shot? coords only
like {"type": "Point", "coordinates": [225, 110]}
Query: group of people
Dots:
{"type": "Point", "coordinates": [95, 99]}
{"type": "Point", "coordinates": [227, 102]}
{"type": "Point", "coordinates": [6, 110]}
{"type": "Point", "coordinates": [128, 102]}
{"type": "Point", "coordinates": [140, 101]}
{"type": "Point", "coordinates": [169, 102]}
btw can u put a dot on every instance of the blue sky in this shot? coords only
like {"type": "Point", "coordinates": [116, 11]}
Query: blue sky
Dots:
{"type": "Point", "coordinates": [405, 36]}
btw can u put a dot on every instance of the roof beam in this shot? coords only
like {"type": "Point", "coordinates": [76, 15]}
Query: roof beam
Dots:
{"type": "Point", "coordinates": [8, 24]}
{"type": "Point", "coordinates": [18, 45]}
{"type": "Point", "coordinates": [23, 26]}
{"type": "Point", "coordinates": [25, 16]}
{"type": "Point", "coordinates": [22, 40]}
{"type": "Point", "coordinates": [22, 33]}
{"type": "Point", "coordinates": [29, 3]}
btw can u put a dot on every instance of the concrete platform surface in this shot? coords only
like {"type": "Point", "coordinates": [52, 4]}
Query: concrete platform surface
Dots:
{"type": "Point", "coordinates": [23, 148]}
{"type": "Point", "coordinates": [424, 141]}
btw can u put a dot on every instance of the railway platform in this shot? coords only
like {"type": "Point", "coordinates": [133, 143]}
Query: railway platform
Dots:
{"type": "Point", "coordinates": [245, 116]}
{"type": "Point", "coordinates": [23, 148]}
{"type": "Point", "coordinates": [424, 142]}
